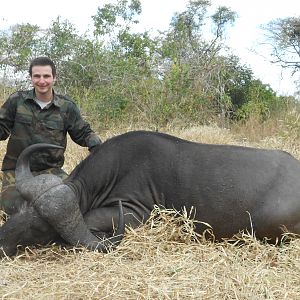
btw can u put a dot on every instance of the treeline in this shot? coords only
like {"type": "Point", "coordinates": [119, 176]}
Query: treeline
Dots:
{"type": "Point", "coordinates": [116, 74]}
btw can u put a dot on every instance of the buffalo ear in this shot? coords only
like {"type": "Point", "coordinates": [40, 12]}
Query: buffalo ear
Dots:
{"type": "Point", "coordinates": [59, 207]}
{"type": "Point", "coordinates": [34, 187]}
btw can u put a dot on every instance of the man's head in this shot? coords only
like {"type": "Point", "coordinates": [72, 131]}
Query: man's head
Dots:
{"type": "Point", "coordinates": [43, 75]}
{"type": "Point", "coordinates": [42, 61]}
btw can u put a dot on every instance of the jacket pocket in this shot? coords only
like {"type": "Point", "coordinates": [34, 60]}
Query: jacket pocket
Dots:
{"type": "Point", "coordinates": [25, 119]}
{"type": "Point", "coordinates": [54, 125]}
{"type": "Point", "coordinates": [54, 131]}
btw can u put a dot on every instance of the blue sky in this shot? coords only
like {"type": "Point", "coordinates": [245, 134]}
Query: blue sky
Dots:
{"type": "Point", "coordinates": [242, 38]}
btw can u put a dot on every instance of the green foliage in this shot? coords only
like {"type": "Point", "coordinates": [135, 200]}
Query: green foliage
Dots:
{"type": "Point", "coordinates": [17, 45]}
{"type": "Point", "coordinates": [117, 75]}
{"type": "Point", "coordinates": [238, 79]}
{"type": "Point", "coordinates": [221, 18]}
{"type": "Point", "coordinates": [113, 16]}
{"type": "Point", "coordinates": [262, 102]}
{"type": "Point", "coordinates": [59, 41]}
{"type": "Point", "coordinates": [291, 120]}
{"type": "Point", "coordinates": [177, 80]}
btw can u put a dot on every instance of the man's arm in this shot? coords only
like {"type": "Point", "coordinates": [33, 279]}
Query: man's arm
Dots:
{"type": "Point", "coordinates": [79, 130]}
{"type": "Point", "coordinates": [7, 116]}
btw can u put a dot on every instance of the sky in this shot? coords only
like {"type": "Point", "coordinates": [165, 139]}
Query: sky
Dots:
{"type": "Point", "coordinates": [243, 37]}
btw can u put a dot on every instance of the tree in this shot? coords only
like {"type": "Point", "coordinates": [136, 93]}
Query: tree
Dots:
{"type": "Point", "coordinates": [283, 36]}
{"type": "Point", "coordinates": [113, 26]}
{"type": "Point", "coordinates": [193, 64]}
{"type": "Point", "coordinates": [111, 17]}
{"type": "Point", "coordinates": [17, 45]}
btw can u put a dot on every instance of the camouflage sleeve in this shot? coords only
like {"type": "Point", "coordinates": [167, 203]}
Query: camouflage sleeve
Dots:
{"type": "Point", "coordinates": [79, 130]}
{"type": "Point", "coordinates": [7, 117]}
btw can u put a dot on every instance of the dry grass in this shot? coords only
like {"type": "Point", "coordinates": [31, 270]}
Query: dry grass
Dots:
{"type": "Point", "coordinates": [164, 259]}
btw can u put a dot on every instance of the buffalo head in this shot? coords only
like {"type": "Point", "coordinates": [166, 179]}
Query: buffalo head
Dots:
{"type": "Point", "coordinates": [50, 201]}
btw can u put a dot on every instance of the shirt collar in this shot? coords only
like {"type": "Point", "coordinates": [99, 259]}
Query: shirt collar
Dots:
{"type": "Point", "coordinates": [57, 101]}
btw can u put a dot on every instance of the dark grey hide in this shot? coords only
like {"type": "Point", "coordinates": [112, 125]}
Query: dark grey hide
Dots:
{"type": "Point", "coordinates": [232, 188]}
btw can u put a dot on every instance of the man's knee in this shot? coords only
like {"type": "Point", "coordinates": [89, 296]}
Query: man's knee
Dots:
{"type": "Point", "coordinates": [10, 200]}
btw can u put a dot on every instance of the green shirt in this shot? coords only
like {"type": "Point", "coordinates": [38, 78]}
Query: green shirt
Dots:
{"type": "Point", "coordinates": [25, 123]}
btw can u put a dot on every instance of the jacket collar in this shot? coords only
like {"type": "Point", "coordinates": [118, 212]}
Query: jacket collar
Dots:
{"type": "Point", "coordinates": [57, 101]}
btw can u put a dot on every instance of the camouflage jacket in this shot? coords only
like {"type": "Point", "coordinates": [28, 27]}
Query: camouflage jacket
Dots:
{"type": "Point", "coordinates": [25, 123]}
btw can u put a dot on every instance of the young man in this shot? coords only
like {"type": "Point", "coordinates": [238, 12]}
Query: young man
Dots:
{"type": "Point", "coordinates": [39, 116]}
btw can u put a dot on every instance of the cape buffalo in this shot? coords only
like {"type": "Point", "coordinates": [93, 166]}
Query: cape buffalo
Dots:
{"type": "Point", "coordinates": [232, 188]}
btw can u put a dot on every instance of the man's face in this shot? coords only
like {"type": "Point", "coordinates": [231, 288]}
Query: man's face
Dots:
{"type": "Point", "coordinates": [42, 80]}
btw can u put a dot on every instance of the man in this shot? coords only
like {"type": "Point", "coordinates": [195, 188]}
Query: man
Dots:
{"type": "Point", "coordinates": [39, 116]}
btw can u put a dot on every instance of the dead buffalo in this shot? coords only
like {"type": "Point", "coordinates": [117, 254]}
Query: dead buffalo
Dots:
{"type": "Point", "coordinates": [232, 188]}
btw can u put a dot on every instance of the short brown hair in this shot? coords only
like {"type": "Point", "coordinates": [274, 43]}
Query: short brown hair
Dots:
{"type": "Point", "coordinates": [42, 61]}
